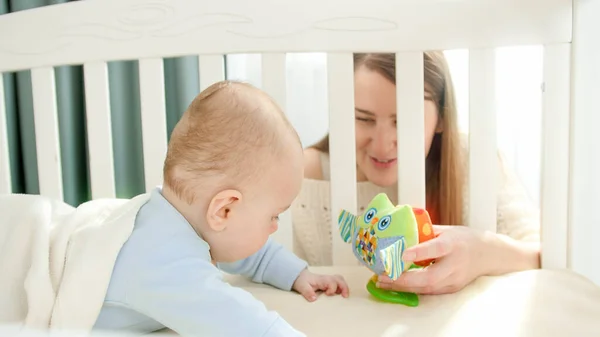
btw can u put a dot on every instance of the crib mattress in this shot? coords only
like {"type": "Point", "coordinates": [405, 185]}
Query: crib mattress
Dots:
{"type": "Point", "coordinates": [541, 303]}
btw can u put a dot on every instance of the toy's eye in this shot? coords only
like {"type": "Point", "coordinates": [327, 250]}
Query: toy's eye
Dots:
{"type": "Point", "coordinates": [370, 214]}
{"type": "Point", "coordinates": [384, 222]}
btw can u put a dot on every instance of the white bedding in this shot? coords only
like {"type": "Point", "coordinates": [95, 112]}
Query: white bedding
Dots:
{"type": "Point", "coordinates": [535, 303]}
{"type": "Point", "coordinates": [56, 260]}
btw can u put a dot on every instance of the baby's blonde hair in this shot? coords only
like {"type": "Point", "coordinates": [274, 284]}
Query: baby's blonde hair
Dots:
{"type": "Point", "coordinates": [228, 133]}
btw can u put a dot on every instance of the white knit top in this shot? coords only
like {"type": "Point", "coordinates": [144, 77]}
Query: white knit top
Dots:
{"type": "Point", "coordinates": [311, 216]}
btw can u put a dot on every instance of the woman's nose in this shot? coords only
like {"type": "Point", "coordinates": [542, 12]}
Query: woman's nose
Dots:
{"type": "Point", "coordinates": [384, 139]}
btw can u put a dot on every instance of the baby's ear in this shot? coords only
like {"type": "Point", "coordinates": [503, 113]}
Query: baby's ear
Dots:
{"type": "Point", "coordinates": [219, 209]}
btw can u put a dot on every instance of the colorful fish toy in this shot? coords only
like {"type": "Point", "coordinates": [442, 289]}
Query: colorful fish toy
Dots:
{"type": "Point", "coordinates": [380, 236]}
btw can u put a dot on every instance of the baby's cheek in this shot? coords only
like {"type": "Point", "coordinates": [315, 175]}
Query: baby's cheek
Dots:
{"type": "Point", "coordinates": [273, 227]}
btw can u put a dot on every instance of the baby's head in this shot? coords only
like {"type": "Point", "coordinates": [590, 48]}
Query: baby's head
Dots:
{"type": "Point", "coordinates": [233, 164]}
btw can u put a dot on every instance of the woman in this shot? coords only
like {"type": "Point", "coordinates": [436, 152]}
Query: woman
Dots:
{"type": "Point", "coordinates": [461, 254]}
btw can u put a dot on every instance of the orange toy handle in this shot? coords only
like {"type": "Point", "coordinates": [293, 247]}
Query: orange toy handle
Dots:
{"type": "Point", "coordinates": [425, 230]}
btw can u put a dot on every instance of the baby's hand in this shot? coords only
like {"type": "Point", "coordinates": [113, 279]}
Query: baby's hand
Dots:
{"type": "Point", "coordinates": [307, 284]}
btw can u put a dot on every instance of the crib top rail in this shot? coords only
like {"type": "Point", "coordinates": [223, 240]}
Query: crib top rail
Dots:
{"type": "Point", "coordinates": [111, 30]}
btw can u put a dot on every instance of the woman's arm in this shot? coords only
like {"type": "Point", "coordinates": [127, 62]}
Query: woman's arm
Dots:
{"type": "Point", "coordinates": [518, 216]}
{"type": "Point", "coordinates": [462, 253]}
{"type": "Point", "coordinates": [507, 255]}
{"type": "Point", "coordinates": [516, 247]}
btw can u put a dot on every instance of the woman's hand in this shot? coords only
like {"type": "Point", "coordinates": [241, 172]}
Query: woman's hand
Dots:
{"type": "Point", "coordinates": [461, 255]}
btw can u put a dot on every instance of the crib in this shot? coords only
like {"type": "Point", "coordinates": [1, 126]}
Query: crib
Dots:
{"type": "Point", "coordinates": [94, 32]}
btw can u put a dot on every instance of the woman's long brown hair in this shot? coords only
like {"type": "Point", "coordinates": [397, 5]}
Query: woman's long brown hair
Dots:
{"type": "Point", "coordinates": [444, 164]}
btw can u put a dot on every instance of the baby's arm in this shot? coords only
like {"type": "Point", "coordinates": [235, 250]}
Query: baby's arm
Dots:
{"type": "Point", "coordinates": [191, 298]}
{"type": "Point", "coordinates": [272, 264]}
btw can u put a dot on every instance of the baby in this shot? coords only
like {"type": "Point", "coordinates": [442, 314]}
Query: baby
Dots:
{"type": "Point", "coordinates": [234, 163]}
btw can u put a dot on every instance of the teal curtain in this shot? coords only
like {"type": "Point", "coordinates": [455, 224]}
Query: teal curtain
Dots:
{"type": "Point", "coordinates": [181, 86]}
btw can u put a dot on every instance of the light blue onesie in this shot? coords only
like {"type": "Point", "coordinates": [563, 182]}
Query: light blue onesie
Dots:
{"type": "Point", "coordinates": [163, 276]}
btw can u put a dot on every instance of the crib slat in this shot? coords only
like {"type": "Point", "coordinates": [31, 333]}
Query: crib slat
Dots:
{"type": "Point", "coordinates": [340, 82]}
{"type": "Point", "coordinates": [274, 77]}
{"type": "Point", "coordinates": [274, 83]}
{"type": "Point", "coordinates": [483, 150]}
{"type": "Point", "coordinates": [154, 123]}
{"type": "Point", "coordinates": [410, 128]}
{"type": "Point", "coordinates": [555, 156]}
{"type": "Point", "coordinates": [100, 144]}
{"type": "Point", "coordinates": [5, 181]}
{"type": "Point", "coordinates": [43, 87]}
{"type": "Point", "coordinates": [212, 70]}
{"type": "Point", "coordinates": [584, 160]}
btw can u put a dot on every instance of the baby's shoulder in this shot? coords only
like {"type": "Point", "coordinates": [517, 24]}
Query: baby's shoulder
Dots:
{"type": "Point", "coordinates": [147, 259]}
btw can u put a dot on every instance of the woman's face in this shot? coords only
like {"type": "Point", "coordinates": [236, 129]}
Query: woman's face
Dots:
{"type": "Point", "coordinates": [376, 137]}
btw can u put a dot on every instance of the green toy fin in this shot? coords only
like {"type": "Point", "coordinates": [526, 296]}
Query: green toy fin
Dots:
{"type": "Point", "coordinates": [408, 299]}
{"type": "Point", "coordinates": [391, 257]}
{"type": "Point", "coordinates": [346, 225]}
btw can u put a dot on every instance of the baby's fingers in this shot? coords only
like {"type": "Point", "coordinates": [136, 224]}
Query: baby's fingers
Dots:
{"type": "Point", "coordinates": [334, 285]}
{"type": "Point", "coordinates": [307, 291]}
{"type": "Point", "coordinates": [342, 286]}
{"type": "Point", "coordinates": [328, 285]}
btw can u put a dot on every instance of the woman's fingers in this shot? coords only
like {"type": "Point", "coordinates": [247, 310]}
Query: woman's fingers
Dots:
{"type": "Point", "coordinates": [449, 289]}
{"type": "Point", "coordinates": [422, 281]}
{"type": "Point", "coordinates": [439, 229]}
{"type": "Point", "coordinates": [452, 270]}
{"type": "Point", "coordinates": [432, 249]}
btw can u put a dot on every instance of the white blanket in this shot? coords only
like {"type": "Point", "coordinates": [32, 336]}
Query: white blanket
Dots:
{"type": "Point", "coordinates": [56, 260]}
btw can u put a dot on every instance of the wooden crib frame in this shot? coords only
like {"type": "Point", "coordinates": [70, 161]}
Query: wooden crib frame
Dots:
{"type": "Point", "coordinates": [94, 32]}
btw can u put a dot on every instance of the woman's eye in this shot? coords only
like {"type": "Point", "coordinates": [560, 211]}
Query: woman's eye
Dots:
{"type": "Point", "coordinates": [364, 119]}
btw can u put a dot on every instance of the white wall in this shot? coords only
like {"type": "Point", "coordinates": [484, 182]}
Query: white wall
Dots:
{"type": "Point", "coordinates": [306, 94]}
{"type": "Point", "coordinates": [519, 80]}
{"type": "Point", "coordinates": [519, 77]}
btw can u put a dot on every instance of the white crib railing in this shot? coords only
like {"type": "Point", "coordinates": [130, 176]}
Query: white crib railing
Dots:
{"type": "Point", "coordinates": [43, 87]}
{"type": "Point", "coordinates": [5, 181]}
{"type": "Point", "coordinates": [555, 155]}
{"type": "Point", "coordinates": [100, 147]}
{"type": "Point", "coordinates": [482, 139]}
{"type": "Point", "coordinates": [94, 32]}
